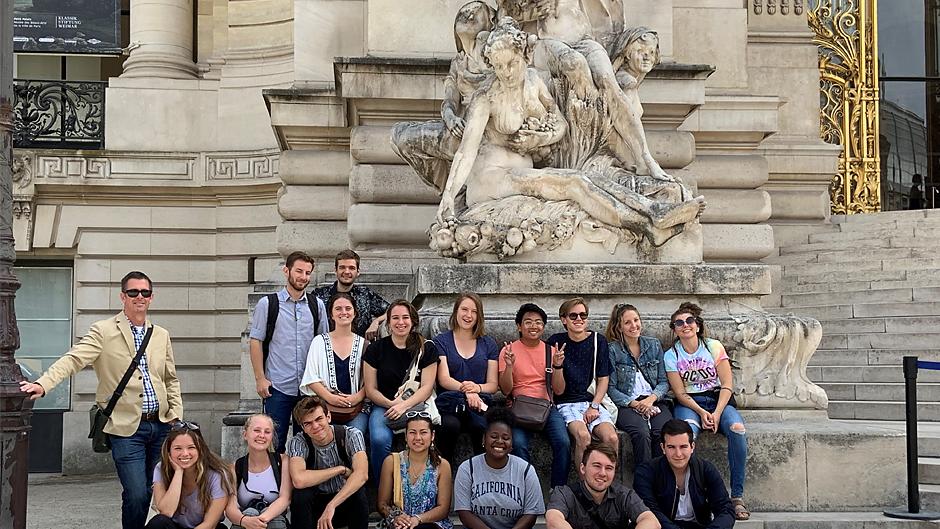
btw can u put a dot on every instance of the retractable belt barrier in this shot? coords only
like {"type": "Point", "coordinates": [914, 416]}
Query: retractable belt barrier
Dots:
{"type": "Point", "coordinates": [913, 512]}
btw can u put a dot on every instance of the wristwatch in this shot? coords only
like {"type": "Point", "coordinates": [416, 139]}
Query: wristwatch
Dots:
{"type": "Point", "coordinates": [595, 406]}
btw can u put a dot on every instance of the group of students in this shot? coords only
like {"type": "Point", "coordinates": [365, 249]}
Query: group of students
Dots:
{"type": "Point", "coordinates": [360, 394]}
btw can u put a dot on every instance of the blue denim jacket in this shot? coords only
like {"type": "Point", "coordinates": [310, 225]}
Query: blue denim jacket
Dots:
{"type": "Point", "coordinates": [623, 370]}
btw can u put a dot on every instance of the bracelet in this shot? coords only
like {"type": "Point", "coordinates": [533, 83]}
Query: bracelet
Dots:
{"type": "Point", "coordinates": [479, 388]}
{"type": "Point", "coordinates": [727, 388]}
{"type": "Point", "coordinates": [241, 519]}
{"type": "Point", "coordinates": [558, 367]}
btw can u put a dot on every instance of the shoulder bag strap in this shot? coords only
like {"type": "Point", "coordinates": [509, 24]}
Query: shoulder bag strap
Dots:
{"type": "Point", "coordinates": [594, 369]}
{"type": "Point", "coordinates": [119, 390]}
{"type": "Point", "coordinates": [398, 492]}
{"type": "Point", "coordinates": [549, 369]}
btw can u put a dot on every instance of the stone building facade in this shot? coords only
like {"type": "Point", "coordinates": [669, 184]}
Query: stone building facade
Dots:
{"type": "Point", "coordinates": [237, 131]}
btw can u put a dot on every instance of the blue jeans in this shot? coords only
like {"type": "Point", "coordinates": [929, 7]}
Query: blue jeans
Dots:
{"type": "Point", "coordinates": [134, 458]}
{"type": "Point", "coordinates": [359, 422]}
{"type": "Point", "coordinates": [557, 434]}
{"type": "Point", "coordinates": [280, 407]}
{"type": "Point", "coordinates": [380, 441]}
{"type": "Point", "coordinates": [737, 441]}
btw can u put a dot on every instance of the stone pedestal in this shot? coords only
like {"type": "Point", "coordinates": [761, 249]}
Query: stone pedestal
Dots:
{"type": "Point", "coordinates": [161, 39]}
{"type": "Point", "coordinates": [723, 290]}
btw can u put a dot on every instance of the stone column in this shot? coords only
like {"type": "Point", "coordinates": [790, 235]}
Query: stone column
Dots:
{"type": "Point", "coordinates": [161, 40]}
{"type": "Point", "coordinates": [14, 409]}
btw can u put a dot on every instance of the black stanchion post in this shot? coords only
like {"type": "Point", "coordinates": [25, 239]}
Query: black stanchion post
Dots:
{"type": "Point", "coordinates": [910, 419]}
{"type": "Point", "coordinates": [910, 416]}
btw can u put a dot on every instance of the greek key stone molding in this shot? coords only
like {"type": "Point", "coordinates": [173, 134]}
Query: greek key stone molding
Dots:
{"type": "Point", "coordinates": [242, 167]}
{"type": "Point", "coordinates": [46, 167]}
{"type": "Point", "coordinates": [53, 167]}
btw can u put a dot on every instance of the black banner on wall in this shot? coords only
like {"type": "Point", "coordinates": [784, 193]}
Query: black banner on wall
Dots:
{"type": "Point", "coordinates": [67, 26]}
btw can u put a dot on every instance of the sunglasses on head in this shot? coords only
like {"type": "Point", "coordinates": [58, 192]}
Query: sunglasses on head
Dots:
{"type": "Point", "coordinates": [678, 324]}
{"type": "Point", "coordinates": [419, 414]}
{"type": "Point", "coordinates": [134, 292]}
{"type": "Point", "coordinates": [577, 315]}
{"type": "Point", "coordinates": [183, 426]}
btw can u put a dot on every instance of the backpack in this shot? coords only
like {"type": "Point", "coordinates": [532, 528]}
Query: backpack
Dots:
{"type": "Point", "coordinates": [241, 469]}
{"type": "Point", "coordinates": [273, 306]}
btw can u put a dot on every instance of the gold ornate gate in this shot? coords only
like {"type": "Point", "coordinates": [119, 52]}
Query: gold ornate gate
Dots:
{"type": "Point", "coordinates": [846, 33]}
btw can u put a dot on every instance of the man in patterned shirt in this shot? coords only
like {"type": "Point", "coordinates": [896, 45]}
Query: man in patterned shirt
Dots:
{"type": "Point", "coordinates": [149, 403]}
{"type": "Point", "coordinates": [328, 468]}
{"type": "Point", "coordinates": [370, 307]}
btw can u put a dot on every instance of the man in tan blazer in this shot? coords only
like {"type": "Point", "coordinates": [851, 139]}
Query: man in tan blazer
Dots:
{"type": "Point", "coordinates": [150, 402]}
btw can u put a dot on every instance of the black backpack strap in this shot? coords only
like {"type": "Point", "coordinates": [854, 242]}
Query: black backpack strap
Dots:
{"type": "Point", "coordinates": [270, 322]}
{"type": "Point", "coordinates": [339, 434]}
{"type": "Point", "coordinates": [119, 390]}
{"type": "Point", "coordinates": [241, 470]}
{"type": "Point", "coordinates": [313, 303]}
{"type": "Point", "coordinates": [276, 467]}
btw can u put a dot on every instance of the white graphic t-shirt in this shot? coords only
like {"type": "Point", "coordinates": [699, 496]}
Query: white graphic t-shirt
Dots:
{"type": "Point", "coordinates": [697, 369]}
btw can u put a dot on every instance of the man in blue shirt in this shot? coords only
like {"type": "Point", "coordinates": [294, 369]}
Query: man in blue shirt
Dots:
{"type": "Point", "coordinates": [278, 373]}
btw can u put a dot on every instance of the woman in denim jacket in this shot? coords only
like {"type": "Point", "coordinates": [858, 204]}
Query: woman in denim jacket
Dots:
{"type": "Point", "coordinates": [638, 383]}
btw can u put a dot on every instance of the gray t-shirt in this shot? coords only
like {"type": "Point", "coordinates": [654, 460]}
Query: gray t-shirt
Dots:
{"type": "Point", "coordinates": [620, 508]}
{"type": "Point", "coordinates": [499, 496]}
{"type": "Point", "coordinates": [190, 513]}
{"type": "Point", "coordinates": [328, 456]}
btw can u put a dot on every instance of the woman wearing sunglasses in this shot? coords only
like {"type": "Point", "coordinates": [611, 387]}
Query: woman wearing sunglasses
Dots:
{"type": "Point", "coordinates": [261, 499]}
{"type": "Point", "coordinates": [191, 485]}
{"type": "Point", "coordinates": [638, 383]}
{"type": "Point", "coordinates": [415, 487]}
{"type": "Point", "coordinates": [585, 365]}
{"type": "Point", "coordinates": [699, 373]}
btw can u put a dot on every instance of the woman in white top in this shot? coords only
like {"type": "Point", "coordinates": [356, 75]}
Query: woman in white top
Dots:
{"type": "Point", "coordinates": [334, 366]}
{"type": "Point", "coordinates": [261, 499]}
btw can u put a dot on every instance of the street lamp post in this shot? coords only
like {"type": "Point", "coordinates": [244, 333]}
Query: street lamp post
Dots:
{"type": "Point", "coordinates": [14, 409]}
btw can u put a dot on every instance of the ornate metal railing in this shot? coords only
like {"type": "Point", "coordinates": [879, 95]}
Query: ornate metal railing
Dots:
{"type": "Point", "coordinates": [846, 33]}
{"type": "Point", "coordinates": [58, 114]}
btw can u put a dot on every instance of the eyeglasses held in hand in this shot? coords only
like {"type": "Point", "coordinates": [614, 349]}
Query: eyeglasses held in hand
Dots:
{"type": "Point", "coordinates": [134, 292]}
{"type": "Point", "coordinates": [678, 324]}
{"type": "Point", "coordinates": [578, 316]}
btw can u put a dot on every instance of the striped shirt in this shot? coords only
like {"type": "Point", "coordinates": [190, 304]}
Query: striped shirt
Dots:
{"type": "Point", "coordinates": [327, 456]}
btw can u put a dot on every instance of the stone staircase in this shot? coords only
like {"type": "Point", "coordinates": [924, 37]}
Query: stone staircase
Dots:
{"type": "Point", "coordinates": [873, 281]}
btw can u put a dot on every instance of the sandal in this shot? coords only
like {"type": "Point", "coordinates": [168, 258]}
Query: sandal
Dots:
{"type": "Point", "coordinates": [740, 510]}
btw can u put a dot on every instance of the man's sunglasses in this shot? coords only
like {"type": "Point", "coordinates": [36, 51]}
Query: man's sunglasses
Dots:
{"type": "Point", "coordinates": [577, 316]}
{"type": "Point", "coordinates": [134, 292]}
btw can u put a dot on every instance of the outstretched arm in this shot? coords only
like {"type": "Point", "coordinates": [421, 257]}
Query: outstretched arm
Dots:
{"type": "Point", "coordinates": [477, 117]}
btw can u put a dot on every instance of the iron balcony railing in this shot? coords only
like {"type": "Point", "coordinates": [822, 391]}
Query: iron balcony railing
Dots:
{"type": "Point", "coordinates": [58, 114]}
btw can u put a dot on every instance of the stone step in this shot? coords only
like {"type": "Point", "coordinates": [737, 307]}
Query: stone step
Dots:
{"type": "Point", "coordinates": [881, 410]}
{"type": "Point", "coordinates": [889, 324]}
{"type": "Point", "coordinates": [849, 268]}
{"type": "Point", "coordinates": [880, 341]}
{"type": "Point", "coordinates": [866, 391]}
{"type": "Point", "coordinates": [929, 278]}
{"type": "Point", "coordinates": [852, 297]}
{"type": "Point", "coordinates": [929, 497]}
{"type": "Point", "coordinates": [842, 277]}
{"type": "Point", "coordinates": [870, 357]}
{"type": "Point", "coordinates": [896, 309]}
{"type": "Point", "coordinates": [872, 232]}
{"type": "Point", "coordinates": [853, 245]}
{"type": "Point", "coordinates": [867, 374]}
{"type": "Point", "coordinates": [882, 217]}
{"type": "Point", "coordinates": [928, 470]}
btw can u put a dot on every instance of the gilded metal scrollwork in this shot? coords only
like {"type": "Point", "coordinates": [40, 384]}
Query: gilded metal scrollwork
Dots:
{"type": "Point", "coordinates": [848, 66]}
